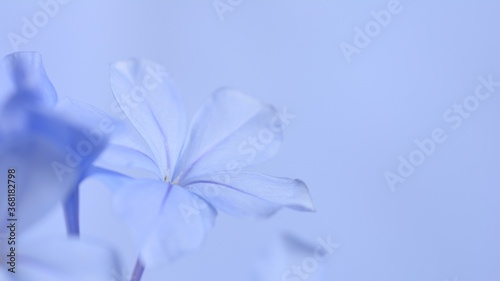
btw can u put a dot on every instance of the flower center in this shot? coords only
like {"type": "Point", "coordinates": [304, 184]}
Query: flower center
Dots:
{"type": "Point", "coordinates": [174, 182]}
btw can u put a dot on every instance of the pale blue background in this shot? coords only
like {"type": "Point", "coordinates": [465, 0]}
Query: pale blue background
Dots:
{"type": "Point", "coordinates": [353, 121]}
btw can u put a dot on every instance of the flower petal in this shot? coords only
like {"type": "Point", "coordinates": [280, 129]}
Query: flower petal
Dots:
{"type": "Point", "coordinates": [249, 194]}
{"type": "Point", "coordinates": [147, 97]}
{"type": "Point", "coordinates": [128, 161]}
{"type": "Point", "coordinates": [125, 152]}
{"type": "Point", "coordinates": [166, 220]}
{"type": "Point", "coordinates": [229, 132]}
{"type": "Point", "coordinates": [29, 78]}
{"type": "Point", "coordinates": [183, 226]}
{"type": "Point", "coordinates": [138, 202]}
{"type": "Point", "coordinates": [48, 163]}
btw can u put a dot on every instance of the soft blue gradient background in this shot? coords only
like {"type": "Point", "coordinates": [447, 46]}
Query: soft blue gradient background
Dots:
{"type": "Point", "coordinates": [353, 121]}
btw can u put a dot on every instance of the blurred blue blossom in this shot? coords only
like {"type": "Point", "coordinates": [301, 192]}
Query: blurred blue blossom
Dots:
{"type": "Point", "coordinates": [177, 179]}
{"type": "Point", "coordinates": [34, 144]}
{"type": "Point", "coordinates": [29, 94]}
{"type": "Point", "coordinates": [34, 138]}
{"type": "Point", "coordinates": [290, 258]}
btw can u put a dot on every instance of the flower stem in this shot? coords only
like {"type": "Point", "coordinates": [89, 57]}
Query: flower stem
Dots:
{"type": "Point", "coordinates": [138, 271]}
{"type": "Point", "coordinates": [72, 213]}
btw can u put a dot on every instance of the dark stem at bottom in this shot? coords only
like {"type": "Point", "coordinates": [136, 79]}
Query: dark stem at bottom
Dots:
{"type": "Point", "coordinates": [138, 271]}
{"type": "Point", "coordinates": [72, 213]}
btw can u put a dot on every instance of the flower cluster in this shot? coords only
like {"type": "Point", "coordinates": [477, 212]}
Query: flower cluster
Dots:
{"type": "Point", "coordinates": [168, 180]}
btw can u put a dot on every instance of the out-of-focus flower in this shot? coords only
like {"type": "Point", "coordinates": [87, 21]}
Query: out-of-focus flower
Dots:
{"type": "Point", "coordinates": [42, 147]}
{"type": "Point", "coordinates": [191, 174]}
{"type": "Point", "coordinates": [41, 164]}
{"type": "Point", "coordinates": [290, 258]}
